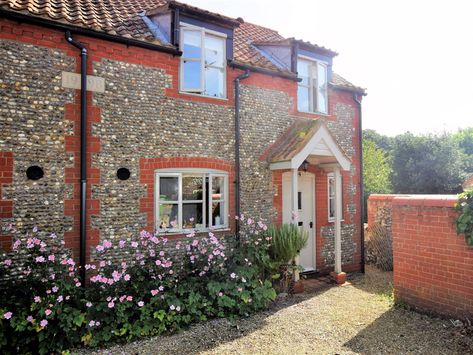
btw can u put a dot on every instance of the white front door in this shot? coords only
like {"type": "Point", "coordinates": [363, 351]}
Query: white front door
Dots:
{"type": "Point", "coordinates": [306, 212]}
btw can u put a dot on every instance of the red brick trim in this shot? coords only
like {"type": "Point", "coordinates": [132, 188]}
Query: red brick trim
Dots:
{"type": "Point", "coordinates": [6, 206]}
{"type": "Point", "coordinates": [148, 166]}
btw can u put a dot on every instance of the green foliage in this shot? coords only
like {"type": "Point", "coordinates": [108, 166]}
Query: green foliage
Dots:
{"type": "Point", "coordinates": [464, 221]}
{"type": "Point", "coordinates": [287, 242]}
{"type": "Point", "coordinates": [426, 164]}
{"type": "Point", "coordinates": [464, 138]}
{"type": "Point", "coordinates": [376, 171]}
{"type": "Point", "coordinates": [44, 309]}
{"type": "Point", "coordinates": [382, 142]}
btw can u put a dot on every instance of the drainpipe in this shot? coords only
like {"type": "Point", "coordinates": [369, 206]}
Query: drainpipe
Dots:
{"type": "Point", "coordinates": [237, 150]}
{"type": "Point", "coordinates": [83, 151]}
{"type": "Point", "coordinates": [362, 204]}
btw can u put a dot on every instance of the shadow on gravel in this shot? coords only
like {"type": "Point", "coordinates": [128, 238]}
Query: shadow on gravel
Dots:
{"type": "Point", "coordinates": [399, 331]}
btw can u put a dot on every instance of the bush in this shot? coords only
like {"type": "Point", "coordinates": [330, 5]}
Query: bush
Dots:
{"type": "Point", "coordinates": [464, 221]}
{"type": "Point", "coordinates": [138, 287]}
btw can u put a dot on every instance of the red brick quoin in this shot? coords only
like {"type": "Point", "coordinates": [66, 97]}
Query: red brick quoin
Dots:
{"type": "Point", "coordinates": [148, 166]}
{"type": "Point", "coordinates": [6, 206]}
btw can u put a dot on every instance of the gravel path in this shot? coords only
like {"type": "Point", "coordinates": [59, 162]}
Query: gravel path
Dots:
{"type": "Point", "coordinates": [355, 318]}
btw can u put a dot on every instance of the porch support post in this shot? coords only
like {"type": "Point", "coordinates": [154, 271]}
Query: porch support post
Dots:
{"type": "Point", "coordinates": [294, 195]}
{"type": "Point", "coordinates": [338, 218]}
{"type": "Point", "coordinates": [295, 204]}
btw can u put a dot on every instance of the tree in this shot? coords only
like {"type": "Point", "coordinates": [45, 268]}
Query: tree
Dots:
{"type": "Point", "coordinates": [464, 137]}
{"type": "Point", "coordinates": [376, 171]}
{"type": "Point", "coordinates": [383, 142]}
{"type": "Point", "coordinates": [429, 164]}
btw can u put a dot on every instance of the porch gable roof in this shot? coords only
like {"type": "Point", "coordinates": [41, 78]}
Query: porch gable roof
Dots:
{"type": "Point", "coordinates": [304, 138]}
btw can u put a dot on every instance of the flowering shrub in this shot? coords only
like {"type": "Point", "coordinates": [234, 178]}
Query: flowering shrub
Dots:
{"type": "Point", "coordinates": [137, 287]}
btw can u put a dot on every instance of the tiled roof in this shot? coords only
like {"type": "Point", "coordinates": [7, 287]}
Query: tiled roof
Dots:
{"type": "Point", "coordinates": [122, 18]}
{"type": "Point", "coordinates": [340, 82]}
{"type": "Point", "coordinates": [293, 140]}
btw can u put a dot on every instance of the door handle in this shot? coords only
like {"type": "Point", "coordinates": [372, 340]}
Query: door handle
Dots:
{"type": "Point", "coordinates": [299, 224]}
{"type": "Point", "coordinates": [311, 224]}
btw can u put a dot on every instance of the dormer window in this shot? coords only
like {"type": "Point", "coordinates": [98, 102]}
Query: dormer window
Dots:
{"type": "Point", "coordinates": [203, 61]}
{"type": "Point", "coordinates": [312, 90]}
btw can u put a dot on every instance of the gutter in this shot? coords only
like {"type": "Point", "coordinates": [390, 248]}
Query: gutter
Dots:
{"type": "Point", "coordinates": [83, 152]}
{"type": "Point", "coordinates": [362, 204]}
{"type": "Point", "coordinates": [247, 67]}
{"type": "Point", "coordinates": [15, 16]}
{"type": "Point", "coordinates": [237, 151]}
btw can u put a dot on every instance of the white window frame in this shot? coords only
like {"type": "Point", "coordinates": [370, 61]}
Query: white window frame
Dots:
{"type": "Point", "coordinates": [201, 90]}
{"type": "Point", "coordinates": [313, 83]}
{"type": "Point", "coordinates": [331, 176]}
{"type": "Point", "coordinates": [210, 173]}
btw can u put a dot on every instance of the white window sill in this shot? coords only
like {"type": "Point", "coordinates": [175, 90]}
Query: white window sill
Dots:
{"type": "Point", "coordinates": [201, 95]}
{"type": "Point", "coordinates": [189, 231]}
{"type": "Point", "coordinates": [314, 113]}
{"type": "Point", "coordinates": [332, 220]}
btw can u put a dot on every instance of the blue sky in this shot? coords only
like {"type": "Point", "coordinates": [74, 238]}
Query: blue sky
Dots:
{"type": "Point", "coordinates": [414, 57]}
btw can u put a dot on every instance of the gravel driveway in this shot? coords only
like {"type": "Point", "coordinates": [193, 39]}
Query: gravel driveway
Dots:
{"type": "Point", "coordinates": [355, 318]}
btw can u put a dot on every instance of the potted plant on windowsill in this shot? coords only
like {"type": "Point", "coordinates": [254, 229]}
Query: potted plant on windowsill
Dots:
{"type": "Point", "coordinates": [287, 241]}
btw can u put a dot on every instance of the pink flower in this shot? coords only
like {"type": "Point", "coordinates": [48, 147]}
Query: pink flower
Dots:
{"type": "Point", "coordinates": [102, 263]}
{"type": "Point", "coordinates": [161, 253]}
{"type": "Point", "coordinates": [134, 244]}
{"type": "Point", "coordinates": [107, 244]}
{"type": "Point", "coordinates": [111, 304]}
{"type": "Point", "coordinates": [29, 319]}
{"type": "Point", "coordinates": [37, 299]}
{"type": "Point", "coordinates": [127, 277]}
{"type": "Point", "coordinates": [232, 275]}
{"type": "Point", "coordinates": [129, 298]}
{"type": "Point", "coordinates": [43, 323]}
{"type": "Point", "coordinates": [97, 323]}
{"type": "Point", "coordinates": [7, 315]}
{"type": "Point", "coordinates": [109, 298]}
{"type": "Point", "coordinates": [60, 299]}
{"type": "Point", "coordinates": [171, 272]}
{"type": "Point", "coordinates": [141, 304]}
{"type": "Point", "coordinates": [195, 242]}
{"type": "Point", "coordinates": [51, 257]}
{"type": "Point", "coordinates": [55, 289]}
{"type": "Point", "coordinates": [239, 289]}
{"type": "Point", "coordinates": [220, 294]}
{"type": "Point", "coordinates": [78, 284]}
{"type": "Point", "coordinates": [249, 221]}
{"type": "Point", "coordinates": [121, 243]}
{"type": "Point", "coordinates": [16, 244]}
{"type": "Point", "coordinates": [161, 288]}
{"type": "Point", "coordinates": [158, 262]}
{"type": "Point", "coordinates": [48, 312]}
{"type": "Point", "coordinates": [154, 292]}
{"type": "Point", "coordinates": [7, 262]}
{"type": "Point", "coordinates": [99, 248]}
{"type": "Point", "coordinates": [40, 259]}
{"type": "Point", "coordinates": [91, 323]}
{"type": "Point", "coordinates": [88, 304]}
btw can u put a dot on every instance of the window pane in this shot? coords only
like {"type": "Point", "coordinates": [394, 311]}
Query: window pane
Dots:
{"type": "Point", "coordinates": [214, 55]}
{"type": "Point", "coordinates": [303, 99]}
{"type": "Point", "coordinates": [168, 216]}
{"type": "Point", "coordinates": [192, 43]}
{"type": "Point", "coordinates": [192, 215]}
{"type": "Point", "coordinates": [322, 88]}
{"type": "Point", "coordinates": [218, 188]}
{"type": "Point", "coordinates": [168, 188]}
{"type": "Point", "coordinates": [191, 72]}
{"type": "Point", "coordinates": [192, 187]}
{"type": "Point", "coordinates": [218, 210]}
{"type": "Point", "coordinates": [303, 71]}
{"type": "Point", "coordinates": [331, 186]}
{"type": "Point", "coordinates": [214, 82]}
{"type": "Point", "coordinates": [332, 208]}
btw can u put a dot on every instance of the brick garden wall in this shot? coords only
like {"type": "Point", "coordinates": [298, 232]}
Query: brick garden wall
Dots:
{"type": "Point", "coordinates": [432, 265]}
